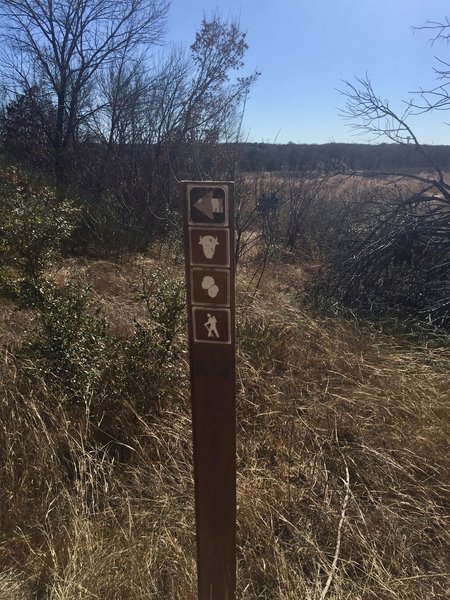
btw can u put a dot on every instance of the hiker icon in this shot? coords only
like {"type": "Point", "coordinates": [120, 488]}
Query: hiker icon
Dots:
{"type": "Point", "coordinates": [211, 326]}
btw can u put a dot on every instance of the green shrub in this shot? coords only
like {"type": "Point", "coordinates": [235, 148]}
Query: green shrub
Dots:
{"type": "Point", "coordinates": [33, 225]}
{"type": "Point", "coordinates": [69, 345]}
{"type": "Point", "coordinates": [163, 294]}
{"type": "Point", "coordinates": [152, 360]}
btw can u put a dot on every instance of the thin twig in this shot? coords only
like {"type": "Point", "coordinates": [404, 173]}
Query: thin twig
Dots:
{"type": "Point", "coordinates": [339, 535]}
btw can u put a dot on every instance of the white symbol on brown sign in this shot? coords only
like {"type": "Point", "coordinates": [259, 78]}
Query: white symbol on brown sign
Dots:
{"type": "Point", "coordinates": [211, 326]}
{"type": "Point", "coordinates": [210, 286]}
{"type": "Point", "coordinates": [209, 205]}
{"type": "Point", "coordinates": [208, 243]}
{"type": "Point", "coordinates": [209, 246]}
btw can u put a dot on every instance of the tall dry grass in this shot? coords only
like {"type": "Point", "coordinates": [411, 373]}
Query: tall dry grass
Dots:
{"type": "Point", "coordinates": [343, 436]}
{"type": "Point", "coordinates": [348, 442]}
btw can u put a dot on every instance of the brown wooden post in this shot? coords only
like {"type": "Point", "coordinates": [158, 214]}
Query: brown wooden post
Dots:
{"type": "Point", "coordinates": [208, 209]}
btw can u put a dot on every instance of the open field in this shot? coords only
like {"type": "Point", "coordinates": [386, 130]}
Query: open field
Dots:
{"type": "Point", "coordinates": [343, 438]}
{"type": "Point", "coordinates": [343, 316]}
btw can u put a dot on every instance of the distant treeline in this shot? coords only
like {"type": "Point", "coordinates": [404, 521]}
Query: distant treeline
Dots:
{"type": "Point", "coordinates": [374, 157]}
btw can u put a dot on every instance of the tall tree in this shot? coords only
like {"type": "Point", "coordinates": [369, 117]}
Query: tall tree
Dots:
{"type": "Point", "coordinates": [63, 45]}
{"type": "Point", "coordinates": [182, 98]}
{"type": "Point", "coordinates": [163, 122]}
{"type": "Point", "coordinates": [196, 96]}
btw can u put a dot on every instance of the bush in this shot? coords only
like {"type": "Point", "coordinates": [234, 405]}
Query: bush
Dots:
{"type": "Point", "coordinates": [33, 225]}
{"type": "Point", "coordinates": [69, 346]}
{"type": "Point", "coordinates": [394, 256]}
{"type": "Point", "coordinates": [151, 357]}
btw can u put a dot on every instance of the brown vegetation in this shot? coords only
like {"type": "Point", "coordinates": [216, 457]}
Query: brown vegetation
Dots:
{"type": "Point", "coordinates": [342, 470]}
{"type": "Point", "coordinates": [343, 429]}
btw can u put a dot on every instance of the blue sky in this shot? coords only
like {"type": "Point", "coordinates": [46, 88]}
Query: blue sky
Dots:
{"type": "Point", "coordinates": [305, 48]}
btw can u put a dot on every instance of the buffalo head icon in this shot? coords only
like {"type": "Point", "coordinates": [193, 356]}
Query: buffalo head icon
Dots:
{"type": "Point", "coordinates": [208, 243]}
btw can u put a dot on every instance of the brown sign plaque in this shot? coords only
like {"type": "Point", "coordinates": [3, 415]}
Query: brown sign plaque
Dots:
{"type": "Point", "coordinates": [208, 204]}
{"type": "Point", "coordinates": [212, 326]}
{"type": "Point", "coordinates": [210, 247]}
{"type": "Point", "coordinates": [210, 286]}
{"type": "Point", "coordinates": [209, 234]}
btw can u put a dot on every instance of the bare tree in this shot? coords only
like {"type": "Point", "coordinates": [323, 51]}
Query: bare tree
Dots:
{"type": "Point", "coordinates": [184, 96]}
{"type": "Point", "coordinates": [197, 94]}
{"type": "Point", "coordinates": [62, 46]}
{"type": "Point", "coordinates": [398, 254]}
{"type": "Point", "coordinates": [438, 96]}
{"type": "Point", "coordinates": [369, 114]}
{"type": "Point", "coordinates": [195, 102]}
{"type": "Point", "coordinates": [123, 92]}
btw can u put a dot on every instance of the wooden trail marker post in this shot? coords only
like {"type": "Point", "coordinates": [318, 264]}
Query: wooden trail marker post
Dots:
{"type": "Point", "coordinates": [210, 280]}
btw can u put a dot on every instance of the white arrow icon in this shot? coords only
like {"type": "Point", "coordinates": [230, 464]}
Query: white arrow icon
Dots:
{"type": "Point", "coordinates": [208, 205]}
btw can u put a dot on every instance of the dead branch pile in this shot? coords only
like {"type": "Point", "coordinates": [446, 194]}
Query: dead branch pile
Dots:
{"type": "Point", "coordinates": [395, 256]}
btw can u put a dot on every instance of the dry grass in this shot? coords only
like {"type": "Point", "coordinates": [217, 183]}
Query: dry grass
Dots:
{"type": "Point", "coordinates": [343, 436]}
{"type": "Point", "coordinates": [341, 399]}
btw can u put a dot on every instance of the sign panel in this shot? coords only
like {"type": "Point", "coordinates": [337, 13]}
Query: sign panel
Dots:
{"type": "Point", "coordinates": [208, 204]}
{"type": "Point", "coordinates": [209, 246]}
{"type": "Point", "coordinates": [209, 242]}
{"type": "Point", "coordinates": [212, 326]}
{"type": "Point", "coordinates": [210, 286]}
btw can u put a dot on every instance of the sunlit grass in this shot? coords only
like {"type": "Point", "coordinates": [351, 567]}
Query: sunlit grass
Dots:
{"type": "Point", "coordinates": [343, 435]}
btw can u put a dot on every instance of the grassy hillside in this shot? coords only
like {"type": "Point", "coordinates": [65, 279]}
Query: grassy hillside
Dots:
{"type": "Point", "coordinates": [343, 434]}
